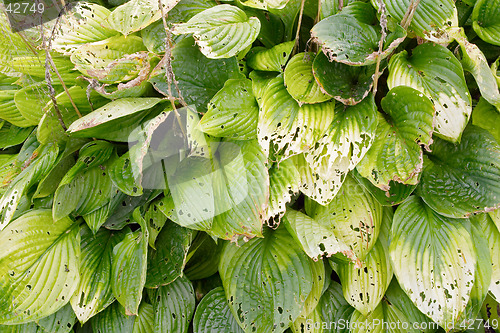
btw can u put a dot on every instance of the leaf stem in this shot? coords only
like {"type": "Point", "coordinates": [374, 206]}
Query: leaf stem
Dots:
{"type": "Point", "coordinates": [406, 21]}
{"type": "Point", "coordinates": [297, 34]}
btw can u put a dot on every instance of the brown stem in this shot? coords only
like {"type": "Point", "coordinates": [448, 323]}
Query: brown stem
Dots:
{"type": "Point", "coordinates": [406, 21]}
{"type": "Point", "coordinates": [383, 25]}
{"type": "Point", "coordinates": [297, 34]}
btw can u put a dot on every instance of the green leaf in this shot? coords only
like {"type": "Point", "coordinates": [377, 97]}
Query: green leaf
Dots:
{"type": "Point", "coordinates": [287, 126]}
{"type": "Point", "coordinates": [430, 20]}
{"type": "Point", "coordinates": [485, 21]}
{"type": "Point", "coordinates": [61, 321]}
{"type": "Point", "coordinates": [227, 191]}
{"type": "Point", "coordinates": [300, 82]}
{"type": "Point", "coordinates": [39, 164]}
{"type": "Point", "coordinates": [434, 260]}
{"type": "Point", "coordinates": [334, 309]}
{"type": "Point", "coordinates": [474, 61]}
{"type": "Point", "coordinates": [396, 154]}
{"type": "Point", "coordinates": [123, 176]}
{"type": "Point", "coordinates": [221, 31]}
{"type": "Point", "coordinates": [144, 321]}
{"type": "Point", "coordinates": [11, 135]}
{"type": "Point", "coordinates": [364, 286]}
{"type": "Point", "coordinates": [31, 101]}
{"type": "Point", "coordinates": [11, 45]}
{"type": "Point", "coordinates": [492, 236]}
{"type": "Point", "coordinates": [265, 4]}
{"type": "Point", "coordinates": [347, 84]}
{"type": "Point", "coordinates": [173, 306]}
{"type": "Point", "coordinates": [113, 60]}
{"type": "Point", "coordinates": [167, 261]}
{"type": "Point", "coordinates": [112, 116]}
{"type": "Point", "coordinates": [350, 37]}
{"type": "Point", "coordinates": [128, 269]}
{"type": "Point", "coordinates": [82, 24]}
{"type": "Point", "coordinates": [433, 70]}
{"type": "Point", "coordinates": [273, 59]}
{"type": "Point", "coordinates": [213, 312]}
{"type": "Point", "coordinates": [233, 112]}
{"type": "Point", "coordinates": [460, 180]}
{"type": "Point", "coordinates": [112, 320]}
{"type": "Point", "coordinates": [38, 266]}
{"type": "Point", "coordinates": [94, 291]}
{"type": "Point", "coordinates": [266, 281]}
{"type": "Point", "coordinates": [88, 191]}
{"type": "Point", "coordinates": [203, 257]}
{"type": "Point", "coordinates": [396, 194]}
{"type": "Point", "coordinates": [135, 15]}
{"type": "Point", "coordinates": [34, 67]}
{"type": "Point", "coordinates": [9, 111]}
{"type": "Point", "coordinates": [50, 129]}
{"type": "Point", "coordinates": [486, 116]}
{"type": "Point", "coordinates": [198, 78]}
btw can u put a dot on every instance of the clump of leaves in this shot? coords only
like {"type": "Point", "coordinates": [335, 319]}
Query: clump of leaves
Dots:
{"type": "Point", "coordinates": [251, 166]}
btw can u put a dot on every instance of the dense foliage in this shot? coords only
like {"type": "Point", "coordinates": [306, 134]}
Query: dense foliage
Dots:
{"type": "Point", "coordinates": [252, 166]}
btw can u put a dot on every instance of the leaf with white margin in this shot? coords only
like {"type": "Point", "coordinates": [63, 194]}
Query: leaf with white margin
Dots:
{"type": "Point", "coordinates": [112, 320]}
{"type": "Point", "coordinates": [113, 60]}
{"type": "Point", "coordinates": [233, 112]}
{"type": "Point", "coordinates": [396, 154]}
{"type": "Point", "coordinates": [350, 38]}
{"type": "Point", "coordinates": [273, 59]}
{"type": "Point", "coordinates": [461, 180]}
{"type": "Point", "coordinates": [492, 234]}
{"type": "Point", "coordinates": [36, 166]}
{"type": "Point", "coordinates": [300, 82]}
{"type": "Point", "coordinates": [485, 20]}
{"type": "Point", "coordinates": [474, 61]}
{"type": "Point", "coordinates": [317, 237]}
{"type": "Point", "coordinates": [347, 84]}
{"type": "Point", "coordinates": [135, 15]}
{"type": "Point", "coordinates": [82, 24]}
{"type": "Point", "coordinates": [284, 181]}
{"type": "Point", "coordinates": [433, 70]}
{"type": "Point", "coordinates": [94, 291]}
{"type": "Point", "coordinates": [144, 320]}
{"type": "Point", "coordinates": [128, 269]}
{"type": "Point", "coordinates": [495, 216]}
{"type": "Point", "coordinates": [430, 21]}
{"type": "Point", "coordinates": [288, 126]}
{"type": "Point", "coordinates": [397, 297]}
{"type": "Point", "coordinates": [221, 31]}
{"type": "Point", "coordinates": [213, 312]}
{"type": "Point", "coordinates": [173, 305]}
{"type": "Point", "coordinates": [347, 140]}
{"type": "Point", "coordinates": [266, 280]}
{"type": "Point", "coordinates": [365, 286]}
{"type": "Point", "coordinates": [354, 216]}
{"type": "Point", "coordinates": [434, 260]}
{"type": "Point", "coordinates": [321, 190]}
{"type": "Point", "coordinates": [38, 266]}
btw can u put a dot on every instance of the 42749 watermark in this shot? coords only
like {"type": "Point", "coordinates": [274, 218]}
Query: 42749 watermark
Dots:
{"type": "Point", "coordinates": [369, 325]}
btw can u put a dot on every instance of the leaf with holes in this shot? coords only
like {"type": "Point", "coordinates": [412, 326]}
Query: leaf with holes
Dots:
{"type": "Point", "coordinates": [433, 70]}
{"type": "Point", "coordinates": [213, 311]}
{"type": "Point", "coordinates": [273, 59]}
{"type": "Point", "coordinates": [94, 291]}
{"type": "Point", "coordinates": [38, 266]}
{"type": "Point", "coordinates": [395, 155]}
{"type": "Point", "coordinates": [266, 291]}
{"type": "Point", "coordinates": [173, 306]}
{"type": "Point", "coordinates": [233, 112]}
{"type": "Point", "coordinates": [221, 31]}
{"type": "Point", "coordinates": [300, 82]}
{"type": "Point", "coordinates": [434, 260]}
{"type": "Point", "coordinates": [352, 38]}
{"type": "Point", "coordinates": [460, 180]}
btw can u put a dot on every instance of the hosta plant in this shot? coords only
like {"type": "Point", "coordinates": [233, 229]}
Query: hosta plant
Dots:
{"type": "Point", "coordinates": [252, 166]}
